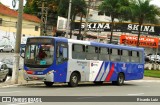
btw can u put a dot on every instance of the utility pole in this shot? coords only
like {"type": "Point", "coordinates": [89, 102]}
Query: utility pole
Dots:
{"type": "Point", "coordinates": [17, 44]}
{"type": "Point", "coordinates": [68, 20]}
{"type": "Point", "coordinates": [86, 23]}
{"type": "Point", "coordinates": [44, 13]}
{"type": "Point", "coordinates": [42, 23]}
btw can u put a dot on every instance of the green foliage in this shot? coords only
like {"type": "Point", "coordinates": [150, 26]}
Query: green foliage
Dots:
{"type": "Point", "coordinates": [63, 8]}
{"type": "Point", "coordinates": [143, 11]}
{"type": "Point", "coordinates": [152, 73]}
{"type": "Point", "coordinates": [115, 9]}
{"type": "Point", "coordinates": [78, 6]}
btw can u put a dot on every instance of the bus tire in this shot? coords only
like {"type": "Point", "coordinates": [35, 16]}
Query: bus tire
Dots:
{"type": "Point", "coordinates": [5, 78]}
{"type": "Point", "coordinates": [98, 82]}
{"type": "Point", "coordinates": [12, 50]}
{"type": "Point", "coordinates": [120, 80]}
{"type": "Point", "coordinates": [74, 79]}
{"type": "Point", "coordinates": [49, 84]}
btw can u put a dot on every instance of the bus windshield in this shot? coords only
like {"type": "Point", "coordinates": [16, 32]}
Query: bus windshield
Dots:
{"type": "Point", "coordinates": [39, 55]}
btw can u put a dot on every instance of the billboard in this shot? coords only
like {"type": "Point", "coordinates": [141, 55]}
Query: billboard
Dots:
{"type": "Point", "coordinates": [120, 27]}
{"type": "Point", "coordinates": [143, 41]}
{"type": "Point", "coordinates": [61, 24]}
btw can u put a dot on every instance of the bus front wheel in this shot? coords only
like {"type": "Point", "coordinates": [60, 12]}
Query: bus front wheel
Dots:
{"type": "Point", "coordinates": [49, 84]}
{"type": "Point", "coordinates": [74, 79]}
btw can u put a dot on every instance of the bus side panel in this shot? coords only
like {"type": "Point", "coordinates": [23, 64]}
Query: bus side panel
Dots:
{"type": "Point", "coordinates": [131, 71]}
{"type": "Point", "coordinates": [60, 72]}
{"type": "Point", "coordinates": [81, 66]}
{"type": "Point", "coordinates": [134, 71]}
{"type": "Point", "coordinates": [111, 72]}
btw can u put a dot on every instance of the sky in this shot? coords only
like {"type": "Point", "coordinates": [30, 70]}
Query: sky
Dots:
{"type": "Point", "coordinates": [9, 3]}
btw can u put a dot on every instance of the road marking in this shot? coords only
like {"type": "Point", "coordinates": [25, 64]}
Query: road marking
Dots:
{"type": "Point", "coordinates": [11, 92]}
{"type": "Point", "coordinates": [21, 103]}
{"type": "Point", "coordinates": [135, 94]}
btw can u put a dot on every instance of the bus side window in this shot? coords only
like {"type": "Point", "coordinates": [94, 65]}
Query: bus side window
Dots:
{"type": "Point", "coordinates": [140, 57]}
{"type": "Point", "coordinates": [125, 56]}
{"type": "Point", "coordinates": [78, 51]}
{"type": "Point", "coordinates": [92, 53]}
{"type": "Point", "coordinates": [114, 55]}
{"type": "Point", "coordinates": [103, 54]}
{"type": "Point", "coordinates": [135, 57]}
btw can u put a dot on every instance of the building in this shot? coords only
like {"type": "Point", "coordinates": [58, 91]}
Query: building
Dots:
{"type": "Point", "coordinates": [8, 25]}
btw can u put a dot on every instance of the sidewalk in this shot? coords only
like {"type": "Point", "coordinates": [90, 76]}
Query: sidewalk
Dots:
{"type": "Point", "coordinates": [150, 78]}
{"type": "Point", "coordinates": [21, 81]}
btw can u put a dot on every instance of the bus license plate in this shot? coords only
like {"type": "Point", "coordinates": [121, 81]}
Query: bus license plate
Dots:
{"type": "Point", "coordinates": [35, 77]}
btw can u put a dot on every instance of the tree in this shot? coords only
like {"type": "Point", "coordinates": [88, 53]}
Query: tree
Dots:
{"type": "Point", "coordinates": [33, 7]}
{"type": "Point", "coordinates": [78, 7]}
{"type": "Point", "coordinates": [115, 9]}
{"type": "Point", "coordinates": [143, 11]}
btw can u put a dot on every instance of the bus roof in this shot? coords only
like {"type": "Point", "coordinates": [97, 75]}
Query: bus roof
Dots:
{"type": "Point", "coordinates": [93, 43]}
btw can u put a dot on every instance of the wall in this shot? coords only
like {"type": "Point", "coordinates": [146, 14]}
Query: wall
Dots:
{"type": "Point", "coordinates": [8, 30]}
{"type": "Point", "coordinates": [28, 27]}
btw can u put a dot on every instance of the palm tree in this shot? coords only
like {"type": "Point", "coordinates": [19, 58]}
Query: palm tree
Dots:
{"type": "Point", "coordinates": [143, 11]}
{"type": "Point", "coordinates": [115, 9]}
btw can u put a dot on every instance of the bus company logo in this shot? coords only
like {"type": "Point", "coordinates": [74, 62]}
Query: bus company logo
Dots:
{"type": "Point", "coordinates": [124, 66]}
{"type": "Point", "coordinates": [93, 64]}
{"type": "Point", "coordinates": [140, 66]}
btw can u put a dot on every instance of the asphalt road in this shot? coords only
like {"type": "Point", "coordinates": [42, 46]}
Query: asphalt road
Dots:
{"type": "Point", "coordinates": [131, 88]}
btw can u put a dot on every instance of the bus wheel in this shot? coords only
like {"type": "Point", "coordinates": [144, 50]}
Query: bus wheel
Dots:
{"type": "Point", "coordinates": [49, 84]}
{"type": "Point", "coordinates": [74, 79]}
{"type": "Point", "coordinates": [4, 78]}
{"type": "Point", "coordinates": [98, 82]}
{"type": "Point", "coordinates": [120, 79]}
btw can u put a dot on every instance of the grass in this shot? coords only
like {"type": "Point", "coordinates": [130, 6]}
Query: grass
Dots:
{"type": "Point", "coordinates": [152, 73]}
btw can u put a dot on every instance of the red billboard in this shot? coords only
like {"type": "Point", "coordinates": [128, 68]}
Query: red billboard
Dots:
{"type": "Point", "coordinates": [143, 41]}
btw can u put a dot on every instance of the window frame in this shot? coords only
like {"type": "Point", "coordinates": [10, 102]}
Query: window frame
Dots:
{"type": "Point", "coordinates": [58, 44]}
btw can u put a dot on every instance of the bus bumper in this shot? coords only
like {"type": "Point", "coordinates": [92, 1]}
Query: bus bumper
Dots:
{"type": "Point", "coordinates": [49, 77]}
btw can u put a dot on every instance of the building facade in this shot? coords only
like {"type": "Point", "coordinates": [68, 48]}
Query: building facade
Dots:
{"type": "Point", "coordinates": [8, 25]}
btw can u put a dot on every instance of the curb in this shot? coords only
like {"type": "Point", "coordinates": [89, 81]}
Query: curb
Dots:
{"type": "Point", "coordinates": [9, 84]}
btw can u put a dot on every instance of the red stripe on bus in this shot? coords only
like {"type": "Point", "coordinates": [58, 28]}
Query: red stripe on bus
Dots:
{"type": "Point", "coordinates": [110, 73]}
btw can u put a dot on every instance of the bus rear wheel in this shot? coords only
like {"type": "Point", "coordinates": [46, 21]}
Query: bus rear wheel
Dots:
{"type": "Point", "coordinates": [74, 79]}
{"type": "Point", "coordinates": [49, 84]}
{"type": "Point", "coordinates": [120, 80]}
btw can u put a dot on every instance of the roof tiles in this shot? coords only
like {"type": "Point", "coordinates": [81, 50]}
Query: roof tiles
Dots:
{"type": "Point", "coordinates": [9, 12]}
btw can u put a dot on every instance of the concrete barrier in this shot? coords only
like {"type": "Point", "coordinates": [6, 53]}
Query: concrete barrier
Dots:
{"type": "Point", "coordinates": [152, 66]}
